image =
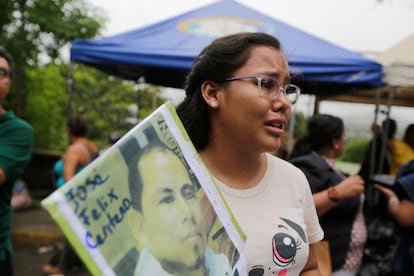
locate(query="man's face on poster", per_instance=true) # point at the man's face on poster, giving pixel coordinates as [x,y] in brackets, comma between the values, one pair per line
[173,222]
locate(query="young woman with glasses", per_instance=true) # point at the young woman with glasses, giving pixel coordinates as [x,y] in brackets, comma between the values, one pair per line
[238,102]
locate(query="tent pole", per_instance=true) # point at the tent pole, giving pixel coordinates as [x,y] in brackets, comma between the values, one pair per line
[316,105]
[372,163]
[70,88]
[385,131]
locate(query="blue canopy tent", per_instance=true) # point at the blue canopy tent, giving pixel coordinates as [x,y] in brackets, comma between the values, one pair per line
[163,53]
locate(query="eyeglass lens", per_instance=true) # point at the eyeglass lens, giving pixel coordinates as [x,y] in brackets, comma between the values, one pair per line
[273,89]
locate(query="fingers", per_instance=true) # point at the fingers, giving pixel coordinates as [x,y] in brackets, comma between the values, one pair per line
[386,191]
[381,188]
[351,186]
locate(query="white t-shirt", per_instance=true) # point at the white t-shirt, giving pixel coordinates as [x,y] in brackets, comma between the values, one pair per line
[279,219]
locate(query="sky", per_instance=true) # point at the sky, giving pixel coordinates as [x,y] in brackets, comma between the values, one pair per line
[365,26]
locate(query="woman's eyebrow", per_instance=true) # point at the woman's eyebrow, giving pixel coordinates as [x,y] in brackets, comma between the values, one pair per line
[276,75]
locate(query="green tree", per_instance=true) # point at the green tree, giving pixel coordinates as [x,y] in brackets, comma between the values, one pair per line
[355,150]
[103,101]
[29,29]
[46,105]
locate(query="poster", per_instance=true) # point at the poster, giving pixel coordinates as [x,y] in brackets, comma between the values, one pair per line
[149,206]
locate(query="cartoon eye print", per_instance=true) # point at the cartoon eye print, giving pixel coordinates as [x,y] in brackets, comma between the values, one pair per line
[284,249]
[286,244]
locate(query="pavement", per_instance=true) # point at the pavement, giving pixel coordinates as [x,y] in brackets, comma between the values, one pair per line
[35,238]
[34,227]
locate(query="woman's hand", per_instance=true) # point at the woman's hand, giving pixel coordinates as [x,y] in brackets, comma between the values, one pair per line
[350,187]
[403,211]
[386,191]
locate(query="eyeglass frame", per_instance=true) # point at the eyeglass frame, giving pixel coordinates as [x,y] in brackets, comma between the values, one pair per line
[259,78]
[4,73]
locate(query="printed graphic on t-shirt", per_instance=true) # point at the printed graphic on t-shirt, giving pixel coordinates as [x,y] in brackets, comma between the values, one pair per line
[286,244]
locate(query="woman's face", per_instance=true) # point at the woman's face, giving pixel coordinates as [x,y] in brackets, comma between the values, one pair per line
[248,120]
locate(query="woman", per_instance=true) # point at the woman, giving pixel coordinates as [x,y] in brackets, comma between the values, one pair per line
[77,156]
[338,198]
[401,206]
[235,110]
[381,151]
[80,152]
[402,151]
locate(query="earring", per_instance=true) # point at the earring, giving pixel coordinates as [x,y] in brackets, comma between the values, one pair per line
[214,104]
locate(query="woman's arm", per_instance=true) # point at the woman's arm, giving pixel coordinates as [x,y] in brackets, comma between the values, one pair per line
[402,211]
[70,162]
[311,266]
[327,199]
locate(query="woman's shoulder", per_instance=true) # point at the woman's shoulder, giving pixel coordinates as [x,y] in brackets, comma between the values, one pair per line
[83,152]
[310,159]
[287,172]
[92,147]
[72,150]
[280,163]
[85,146]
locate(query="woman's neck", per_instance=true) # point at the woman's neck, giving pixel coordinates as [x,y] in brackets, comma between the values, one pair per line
[328,153]
[235,168]
[77,139]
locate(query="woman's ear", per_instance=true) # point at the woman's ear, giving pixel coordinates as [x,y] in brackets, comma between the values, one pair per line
[335,143]
[209,91]
[136,222]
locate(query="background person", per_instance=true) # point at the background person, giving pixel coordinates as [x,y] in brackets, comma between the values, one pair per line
[401,207]
[338,198]
[377,162]
[238,101]
[16,138]
[402,151]
[167,218]
[80,152]
[391,126]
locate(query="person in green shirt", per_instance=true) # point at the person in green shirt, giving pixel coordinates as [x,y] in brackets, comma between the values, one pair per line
[16,137]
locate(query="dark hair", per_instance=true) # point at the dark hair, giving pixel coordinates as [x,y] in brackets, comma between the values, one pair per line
[392,127]
[132,152]
[216,62]
[409,135]
[77,126]
[321,130]
[7,56]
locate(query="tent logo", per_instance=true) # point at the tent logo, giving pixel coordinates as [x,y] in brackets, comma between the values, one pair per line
[216,26]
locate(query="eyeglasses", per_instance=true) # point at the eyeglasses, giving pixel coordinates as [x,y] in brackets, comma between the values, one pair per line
[4,73]
[270,87]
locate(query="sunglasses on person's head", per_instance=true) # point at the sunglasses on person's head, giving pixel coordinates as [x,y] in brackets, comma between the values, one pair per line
[4,73]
